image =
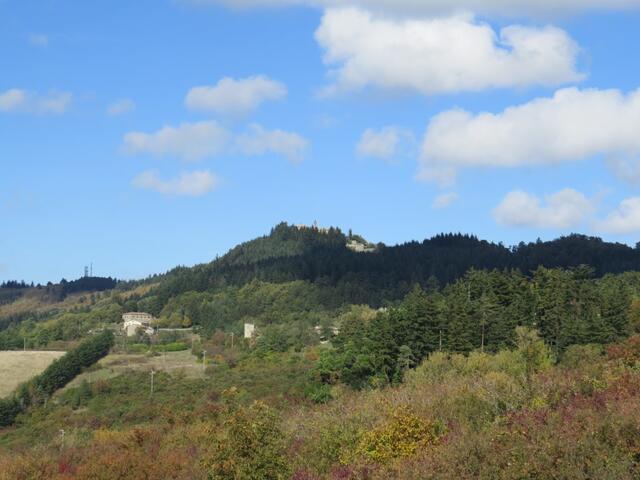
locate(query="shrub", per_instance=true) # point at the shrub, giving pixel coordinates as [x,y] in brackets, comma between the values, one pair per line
[9,410]
[627,352]
[320,394]
[401,436]
[252,447]
[579,356]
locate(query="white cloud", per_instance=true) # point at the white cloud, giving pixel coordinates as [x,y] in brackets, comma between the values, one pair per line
[259,141]
[570,126]
[191,184]
[385,143]
[196,141]
[16,100]
[624,219]
[438,7]
[445,200]
[561,210]
[38,40]
[12,100]
[235,97]
[120,107]
[441,55]
[189,142]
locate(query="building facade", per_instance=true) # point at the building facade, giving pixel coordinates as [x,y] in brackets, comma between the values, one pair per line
[249,330]
[132,321]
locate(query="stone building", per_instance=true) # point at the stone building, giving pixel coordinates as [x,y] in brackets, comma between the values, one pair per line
[137,320]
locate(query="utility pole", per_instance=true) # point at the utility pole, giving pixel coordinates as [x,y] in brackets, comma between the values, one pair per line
[24,345]
[204,361]
[232,340]
[152,374]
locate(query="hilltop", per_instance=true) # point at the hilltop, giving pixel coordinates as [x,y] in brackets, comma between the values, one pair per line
[386,273]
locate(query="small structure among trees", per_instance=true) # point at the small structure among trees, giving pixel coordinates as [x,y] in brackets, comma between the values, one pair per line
[249,330]
[134,321]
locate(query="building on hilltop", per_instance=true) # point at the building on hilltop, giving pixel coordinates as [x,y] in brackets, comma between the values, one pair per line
[360,247]
[133,321]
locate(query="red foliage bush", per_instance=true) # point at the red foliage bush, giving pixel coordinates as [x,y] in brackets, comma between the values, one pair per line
[627,351]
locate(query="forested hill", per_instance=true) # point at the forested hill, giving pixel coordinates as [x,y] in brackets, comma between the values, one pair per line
[321,256]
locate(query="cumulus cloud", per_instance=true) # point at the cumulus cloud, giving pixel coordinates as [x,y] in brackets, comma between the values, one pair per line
[441,55]
[445,200]
[120,107]
[235,97]
[190,184]
[385,143]
[561,210]
[16,100]
[624,219]
[570,126]
[189,141]
[438,7]
[38,40]
[196,141]
[258,141]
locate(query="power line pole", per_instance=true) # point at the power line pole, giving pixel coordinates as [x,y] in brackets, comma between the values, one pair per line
[204,361]
[152,374]
[232,340]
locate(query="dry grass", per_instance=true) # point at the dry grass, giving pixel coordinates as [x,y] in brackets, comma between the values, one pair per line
[35,300]
[18,367]
[117,364]
[141,290]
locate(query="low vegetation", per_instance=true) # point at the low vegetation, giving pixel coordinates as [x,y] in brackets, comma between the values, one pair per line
[512,414]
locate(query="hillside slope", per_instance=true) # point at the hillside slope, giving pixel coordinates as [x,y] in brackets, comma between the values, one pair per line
[321,256]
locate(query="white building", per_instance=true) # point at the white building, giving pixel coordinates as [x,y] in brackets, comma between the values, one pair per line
[249,330]
[360,247]
[136,320]
[320,332]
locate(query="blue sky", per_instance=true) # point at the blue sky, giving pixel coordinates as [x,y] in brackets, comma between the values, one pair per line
[144,135]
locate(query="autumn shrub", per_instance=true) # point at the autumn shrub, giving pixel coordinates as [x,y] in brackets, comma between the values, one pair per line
[402,435]
[580,356]
[251,447]
[627,352]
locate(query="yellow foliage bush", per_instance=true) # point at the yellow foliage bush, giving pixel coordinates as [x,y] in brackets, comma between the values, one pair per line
[401,436]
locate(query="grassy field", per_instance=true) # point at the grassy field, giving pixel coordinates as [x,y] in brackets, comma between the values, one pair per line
[17,367]
[116,364]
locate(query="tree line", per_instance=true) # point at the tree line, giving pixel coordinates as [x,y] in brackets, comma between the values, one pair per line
[388,274]
[482,311]
[55,376]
